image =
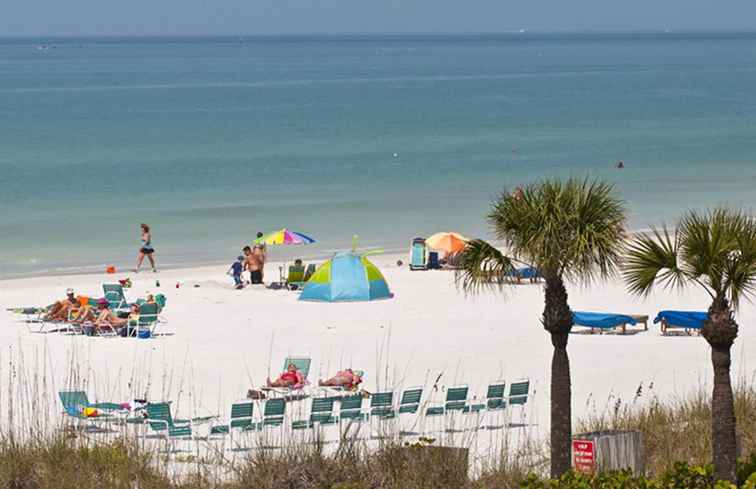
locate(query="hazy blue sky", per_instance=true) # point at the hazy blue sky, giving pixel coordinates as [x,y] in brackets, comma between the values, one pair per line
[77,17]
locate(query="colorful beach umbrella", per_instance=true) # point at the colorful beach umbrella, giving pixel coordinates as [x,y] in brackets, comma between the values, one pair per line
[284,237]
[346,277]
[448,242]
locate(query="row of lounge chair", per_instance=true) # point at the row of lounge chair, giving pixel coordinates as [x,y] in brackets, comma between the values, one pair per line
[360,408]
[687,321]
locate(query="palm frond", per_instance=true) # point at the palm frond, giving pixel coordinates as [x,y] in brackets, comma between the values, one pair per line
[574,228]
[482,266]
[653,259]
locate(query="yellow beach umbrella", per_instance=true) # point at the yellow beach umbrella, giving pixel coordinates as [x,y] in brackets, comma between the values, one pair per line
[448,242]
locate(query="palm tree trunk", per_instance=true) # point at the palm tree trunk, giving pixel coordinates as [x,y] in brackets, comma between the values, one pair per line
[557,320]
[720,331]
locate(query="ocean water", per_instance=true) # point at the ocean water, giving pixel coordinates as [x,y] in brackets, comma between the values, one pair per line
[212,139]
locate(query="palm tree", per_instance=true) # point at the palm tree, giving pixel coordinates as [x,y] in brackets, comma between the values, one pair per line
[715,250]
[571,231]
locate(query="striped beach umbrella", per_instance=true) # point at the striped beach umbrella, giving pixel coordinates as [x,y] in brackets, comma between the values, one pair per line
[284,237]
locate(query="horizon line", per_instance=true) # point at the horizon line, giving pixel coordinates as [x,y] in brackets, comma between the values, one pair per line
[510,32]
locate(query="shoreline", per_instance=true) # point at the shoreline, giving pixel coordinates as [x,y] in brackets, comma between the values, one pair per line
[281,257]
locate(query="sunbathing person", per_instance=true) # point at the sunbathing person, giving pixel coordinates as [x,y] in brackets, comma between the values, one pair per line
[82,314]
[106,319]
[59,311]
[347,379]
[292,378]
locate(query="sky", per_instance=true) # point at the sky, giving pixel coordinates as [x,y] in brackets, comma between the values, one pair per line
[195,17]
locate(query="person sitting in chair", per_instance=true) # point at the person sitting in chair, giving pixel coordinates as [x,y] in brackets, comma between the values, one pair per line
[106,319]
[347,379]
[292,378]
[59,311]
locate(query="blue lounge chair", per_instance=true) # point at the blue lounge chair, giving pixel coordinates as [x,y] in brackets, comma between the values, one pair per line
[418,254]
[686,320]
[602,321]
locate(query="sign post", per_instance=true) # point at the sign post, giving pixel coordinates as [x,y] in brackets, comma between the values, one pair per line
[584,456]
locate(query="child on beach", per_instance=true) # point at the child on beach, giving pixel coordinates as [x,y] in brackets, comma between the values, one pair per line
[236,271]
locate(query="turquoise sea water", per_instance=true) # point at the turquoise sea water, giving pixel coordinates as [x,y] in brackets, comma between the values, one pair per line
[211,139]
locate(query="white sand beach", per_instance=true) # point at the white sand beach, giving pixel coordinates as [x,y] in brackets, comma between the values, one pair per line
[223,341]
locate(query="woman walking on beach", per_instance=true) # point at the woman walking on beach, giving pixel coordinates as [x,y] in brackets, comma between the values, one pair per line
[146,249]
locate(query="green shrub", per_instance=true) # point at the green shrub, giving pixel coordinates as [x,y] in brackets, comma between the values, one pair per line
[681,476]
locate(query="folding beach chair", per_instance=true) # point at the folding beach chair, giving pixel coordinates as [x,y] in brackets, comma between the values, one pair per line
[274,417]
[161,421]
[495,404]
[148,319]
[518,396]
[116,297]
[409,404]
[418,254]
[309,272]
[456,400]
[241,419]
[76,404]
[296,277]
[321,413]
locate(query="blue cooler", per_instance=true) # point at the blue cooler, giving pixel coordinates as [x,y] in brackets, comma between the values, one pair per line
[144,334]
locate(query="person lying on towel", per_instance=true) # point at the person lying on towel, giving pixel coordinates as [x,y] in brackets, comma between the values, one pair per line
[292,378]
[347,379]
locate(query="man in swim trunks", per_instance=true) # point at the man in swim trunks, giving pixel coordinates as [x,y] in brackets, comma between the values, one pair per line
[254,264]
[292,378]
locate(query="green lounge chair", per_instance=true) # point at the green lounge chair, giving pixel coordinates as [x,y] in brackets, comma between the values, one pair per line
[302,364]
[494,399]
[74,403]
[410,401]
[456,400]
[296,278]
[518,392]
[241,419]
[382,405]
[351,408]
[148,318]
[160,420]
[518,396]
[409,404]
[116,297]
[321,413]
[273,414]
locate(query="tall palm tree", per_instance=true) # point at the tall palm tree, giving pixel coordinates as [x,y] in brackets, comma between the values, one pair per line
[715,250]
[571,231]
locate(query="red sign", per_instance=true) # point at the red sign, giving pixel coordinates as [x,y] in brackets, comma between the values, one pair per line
[583,456]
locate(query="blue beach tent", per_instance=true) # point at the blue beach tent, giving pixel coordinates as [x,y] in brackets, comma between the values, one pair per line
[346,277]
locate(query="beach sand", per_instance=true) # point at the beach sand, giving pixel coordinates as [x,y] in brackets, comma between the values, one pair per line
[223,341]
